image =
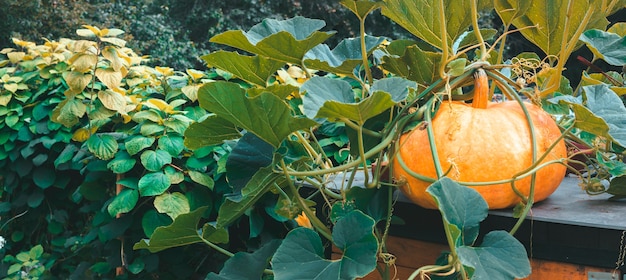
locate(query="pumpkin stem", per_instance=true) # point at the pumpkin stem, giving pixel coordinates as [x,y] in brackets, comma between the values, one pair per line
[481,89]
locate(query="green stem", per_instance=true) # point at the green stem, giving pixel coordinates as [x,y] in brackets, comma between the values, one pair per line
[444,38]
[368,71]
[431,141]
[317,224]
[358,127]
[481,41]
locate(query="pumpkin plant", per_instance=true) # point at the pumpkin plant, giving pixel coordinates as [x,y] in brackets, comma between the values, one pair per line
[278,123]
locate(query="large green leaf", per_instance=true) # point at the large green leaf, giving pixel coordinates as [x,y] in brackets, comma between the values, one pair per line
[396,86]
[301,255]
[183,231]
[172,204]
[556,23]
[103,146]
[44,177]
[265,115]
[285,40]
[253,69]
[460,206]
[211,131]
[123,202]
[359,112]
[500,256]
[255,263]
[201,178]
[343,58]
[249,155]
[321,89]
[261,182]
[151,220]
[414,64]
[361,8]
[422,18]
[608,46]
[604,113]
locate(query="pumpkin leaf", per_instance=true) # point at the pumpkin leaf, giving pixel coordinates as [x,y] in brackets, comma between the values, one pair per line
[343,58]
[301,254]
[249,155]
[265,115]
[255,263]
[396,86]
[555,22]
[284,40]
[359,112]
[211,131]
[500,256]
[103,146]
[123,202]
[172,204]
[253,69]
[460,206]
[604,113]
[608,46]
[183,231]
[414,64]
[361,8]
[257,186]
[422,18]
[321,89]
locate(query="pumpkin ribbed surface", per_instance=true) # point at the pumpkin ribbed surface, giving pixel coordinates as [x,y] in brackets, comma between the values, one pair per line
[483,145]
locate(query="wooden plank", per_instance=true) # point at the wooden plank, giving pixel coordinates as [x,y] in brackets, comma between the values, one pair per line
[412,254]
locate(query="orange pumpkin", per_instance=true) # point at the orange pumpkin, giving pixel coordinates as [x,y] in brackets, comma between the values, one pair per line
[483,142]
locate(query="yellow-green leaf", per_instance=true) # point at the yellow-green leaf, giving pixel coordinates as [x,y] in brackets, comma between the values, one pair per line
[83,62]
[111,32]
[108,76]
[115,41]
[5,98]
[112,55]
[191,91]
[11,87]
[112,100]
[15,57]
[77,81]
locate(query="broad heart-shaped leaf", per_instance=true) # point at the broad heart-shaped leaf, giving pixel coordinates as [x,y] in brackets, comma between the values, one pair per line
[123,202]
[361,8]
[154,160]
[422,18]
[265,115]
[122,163]
[211,131]
[604,115]
[551,18]
[172,204]
[103,146]
[153,184]
[396,86]
[183,231]
[460,206]
[360,112]
[253,69]
[343,58]
[414,64]
[261,182]
[171,143]
[255,263]
[284,40]
[201,178]
[500,256]
[249,155]
[608,46]
[301,255]
[321,89]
